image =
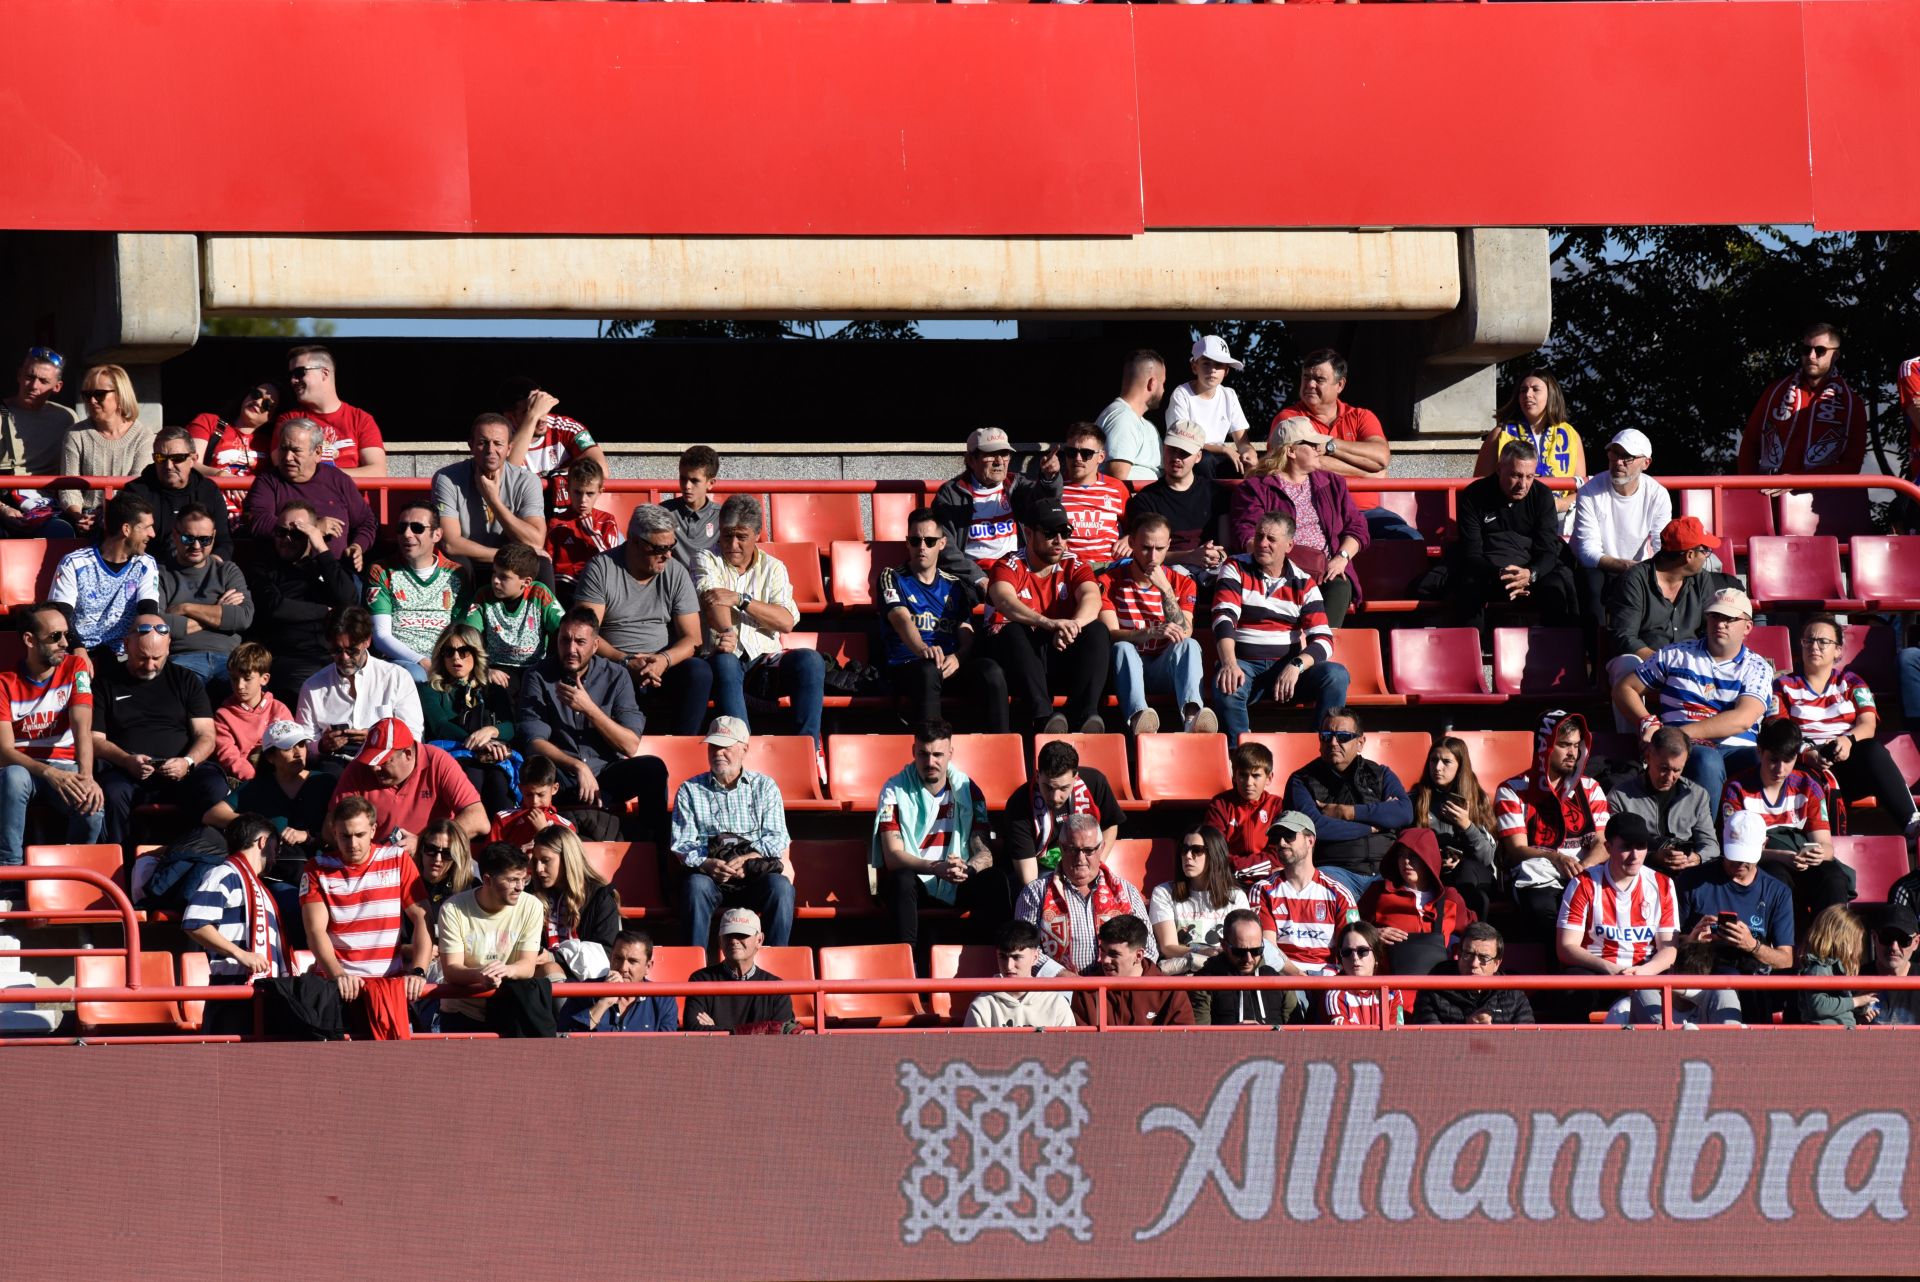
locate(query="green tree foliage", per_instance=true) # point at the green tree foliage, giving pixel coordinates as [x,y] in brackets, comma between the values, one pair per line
[760,329]
[264,327]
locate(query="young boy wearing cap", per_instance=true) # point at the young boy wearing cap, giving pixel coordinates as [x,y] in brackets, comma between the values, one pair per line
[1214,407]
[1618,516]
[981,508]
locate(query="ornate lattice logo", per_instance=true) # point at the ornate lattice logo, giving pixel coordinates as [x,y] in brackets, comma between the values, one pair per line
[994,1151]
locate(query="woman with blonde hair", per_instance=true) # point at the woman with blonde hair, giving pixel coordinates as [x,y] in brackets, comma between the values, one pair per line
[445,861]
[470,716]
[1833,946]
[112,442]
[1450,800]
[1328,530]
[580,903]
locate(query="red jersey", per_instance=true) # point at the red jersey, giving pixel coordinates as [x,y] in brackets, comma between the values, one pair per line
[1621,925]
[437,789]
[1350,423]
[1244,825]
[348,430]
[520,827]
[1138,605]
[1094,510]
[1795,429]
[365,905]
[572,541]
[228,450]
[1801,802]
[1303,921]
[1050,591]
[1355,1007]
[42,728]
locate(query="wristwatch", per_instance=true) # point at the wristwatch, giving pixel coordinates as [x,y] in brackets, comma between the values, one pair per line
[1331,442]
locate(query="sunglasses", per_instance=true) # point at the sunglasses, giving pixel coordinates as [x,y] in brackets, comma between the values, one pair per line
[1061,532]
[144,629]
[261,399]
[657,550]
[1355,954]
[173,458]
[1816,349]
[1896,941]
[1255,951]
[289,532]
[437,852]
[921,541]
[98,393]
[461,652]
[1479,959]
[301,371]
[46,356]
[194,540]
[1076,453]
[414,527]
[1339,736]
[1196,848]
[58,634]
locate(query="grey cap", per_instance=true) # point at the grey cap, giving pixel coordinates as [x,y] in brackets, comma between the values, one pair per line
[1294,821]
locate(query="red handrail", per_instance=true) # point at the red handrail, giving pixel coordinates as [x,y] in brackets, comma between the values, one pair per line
[122,908]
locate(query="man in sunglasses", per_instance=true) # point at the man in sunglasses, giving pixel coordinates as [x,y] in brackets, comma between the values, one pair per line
[1356,804]
[979,508]
[153,735]
[1243,953]
[1811,421]
[931,638]
[1093,500]
[1047,633]
[339,509]
[1894,943]
[350,440]
[33,429]
[46,741]
[172,485]
[204,597]
[643,603]
[413,599]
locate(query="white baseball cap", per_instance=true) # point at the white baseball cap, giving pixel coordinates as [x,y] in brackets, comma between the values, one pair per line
[1743,837]
[989,440]
[727,732]
[739,921]
[285,734]
[1214,348]
[1731,602]
[1186,436]
[1634,442]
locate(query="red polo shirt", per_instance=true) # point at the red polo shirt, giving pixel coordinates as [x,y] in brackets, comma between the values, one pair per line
[1350,423]
[437,789]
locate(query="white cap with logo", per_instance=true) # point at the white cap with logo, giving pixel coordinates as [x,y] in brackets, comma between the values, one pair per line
[1186,436]
[739,921]
[1634,442]
[1731,602]
[1743,837]
[989,440]
[1214,348]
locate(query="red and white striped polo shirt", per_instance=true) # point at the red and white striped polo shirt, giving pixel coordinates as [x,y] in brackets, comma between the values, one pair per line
[42,728]
[1801,802]
[1621,925]
[364,906]
[1829,714]
[1138,605]
[1303,919]
[1094,510]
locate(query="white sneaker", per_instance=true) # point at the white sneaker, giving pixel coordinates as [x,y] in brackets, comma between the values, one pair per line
[1145,721]
[1201,721]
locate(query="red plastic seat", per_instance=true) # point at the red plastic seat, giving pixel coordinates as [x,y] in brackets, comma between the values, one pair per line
[1870,651]
[1877,863]
[997,764]
[1546,663]
[871,961]
[891,508]
[195,972]
[1290,752]
[803,571]
[958,961]
[26,567]
[684,755]
[619,504]
[1388,571]
[675,963]
[1428,511]
[1743,514]
[1143,861]
[1106,753]
[1440,665]
[1183,769]
[789,759]
[1358,651]
[858,765]
[1498,755]
[857,568]
[791,961]
[841,647]
[815,518]
[1886,571]
[1906,755]
[831,879]
[56,898]
[633,868]
[1797,570]
[1774,643]
[1844,514]
[109,970]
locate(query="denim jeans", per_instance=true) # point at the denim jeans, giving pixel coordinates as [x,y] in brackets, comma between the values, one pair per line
[1324,685]
[1910,682]
[18,788]
[1709,764]
[1357,883]
[803,678]
[1385,523]
[1174,670]
[770,896]
[210,666]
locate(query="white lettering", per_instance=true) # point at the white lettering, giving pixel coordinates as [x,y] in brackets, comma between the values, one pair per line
[1785,1135]
[1365,1127]
[1881,1191]
[1488,1191]
[1693,1129]
[1597,1138]
[1250,1200]
[1310,1143]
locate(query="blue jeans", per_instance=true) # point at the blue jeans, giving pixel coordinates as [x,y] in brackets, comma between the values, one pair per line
[1324,685]
[1385,523]
[803,679]
[1357,883]
[411,667]
[18,788]
[1910,682]
[1174,670]
[209,665]
[771,897]
[1709,764]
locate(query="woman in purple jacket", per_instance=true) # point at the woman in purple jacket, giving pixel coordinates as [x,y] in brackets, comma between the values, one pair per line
[1328,531]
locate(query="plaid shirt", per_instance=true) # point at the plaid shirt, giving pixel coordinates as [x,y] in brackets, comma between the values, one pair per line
[753,807]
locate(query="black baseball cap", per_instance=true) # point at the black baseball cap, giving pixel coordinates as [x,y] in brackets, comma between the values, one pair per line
[1047,514]
[1630,829]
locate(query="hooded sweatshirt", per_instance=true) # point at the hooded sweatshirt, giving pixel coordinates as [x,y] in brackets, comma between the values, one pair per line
[1532,808]
[1134,1005]
[1391,902]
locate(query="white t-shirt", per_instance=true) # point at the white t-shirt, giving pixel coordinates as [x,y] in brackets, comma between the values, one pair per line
[1220,414]
[1130,439]
[1195,918]
[1608,523]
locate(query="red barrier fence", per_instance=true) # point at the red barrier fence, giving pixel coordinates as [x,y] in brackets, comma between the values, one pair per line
[1247,1154]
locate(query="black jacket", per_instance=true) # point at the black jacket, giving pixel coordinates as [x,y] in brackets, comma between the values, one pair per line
[1638,615]
[167,505]
[600,916]
[1494,530]
[1238,1006]
[729,1012]
[290,604]
[1458,1006]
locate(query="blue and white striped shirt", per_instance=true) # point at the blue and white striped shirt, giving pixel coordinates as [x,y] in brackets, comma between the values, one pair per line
[220,901]
[1693,685]
[753,808]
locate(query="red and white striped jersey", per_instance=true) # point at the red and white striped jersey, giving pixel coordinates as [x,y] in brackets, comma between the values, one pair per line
[42,728]
[1801,802]
[1829,714]
[1138,605]
[1622,926]
[1094,510]
[1270,618]
[1303,920]
[364,906]
[557,442]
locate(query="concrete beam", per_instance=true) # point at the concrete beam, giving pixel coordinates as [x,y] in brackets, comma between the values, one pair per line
[1506,298]
[1397,275]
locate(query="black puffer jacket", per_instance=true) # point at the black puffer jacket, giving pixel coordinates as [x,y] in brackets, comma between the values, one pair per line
[1459,1006]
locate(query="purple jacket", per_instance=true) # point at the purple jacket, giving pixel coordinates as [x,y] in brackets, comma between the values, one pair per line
[332,493]
[1256,496]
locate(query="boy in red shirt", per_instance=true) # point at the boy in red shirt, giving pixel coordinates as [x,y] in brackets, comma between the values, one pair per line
[578,528]
[1244,812]
[539,788]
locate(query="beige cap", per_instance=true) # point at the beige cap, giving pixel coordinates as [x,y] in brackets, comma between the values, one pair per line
[726,732]
[1731,602]
[1186,436]
[1290,432]
[989,440]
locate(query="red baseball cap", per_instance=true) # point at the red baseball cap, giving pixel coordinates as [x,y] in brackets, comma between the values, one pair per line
[388,736]
[1684,533]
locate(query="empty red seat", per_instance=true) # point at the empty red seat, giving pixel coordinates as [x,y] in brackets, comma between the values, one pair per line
[857,568]
[1877,863]
[791,762]
[871,961]
[803,571]
[195,972]
[815,518]
[1290,752]
[26,567]
[1797,570]
[59,899]
[1388,570]
[791,961]
[633,869]
[1440,665]
[1428,511]
[675,963]
[1870,651]
[1774,643]
[1743,514]
[1541,662]
[1497,755]
[958,961]
[684,755]
[1358,651]
[1844,514]
[831,879]
[1906,755]
[109,970]
[1106,753]
[858,765]
[997,764]
[1144,861]
[1182,768]
[1886,571]
[891,508]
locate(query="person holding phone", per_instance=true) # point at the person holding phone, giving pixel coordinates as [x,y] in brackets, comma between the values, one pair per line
[1746,917]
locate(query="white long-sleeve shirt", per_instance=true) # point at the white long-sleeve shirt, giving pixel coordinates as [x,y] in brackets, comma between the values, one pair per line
[325,701]
[1608,523]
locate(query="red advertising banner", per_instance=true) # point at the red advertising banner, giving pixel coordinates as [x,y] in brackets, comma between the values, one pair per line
[952,1155]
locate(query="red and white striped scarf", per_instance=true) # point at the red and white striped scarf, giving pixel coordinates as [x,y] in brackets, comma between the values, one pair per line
[1081,803]
[259,933]
[1056,923]
[1829,416]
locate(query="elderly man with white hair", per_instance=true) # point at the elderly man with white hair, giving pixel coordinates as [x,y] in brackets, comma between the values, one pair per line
[747,600]
[649,616]
[340,510]
[1072,902]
